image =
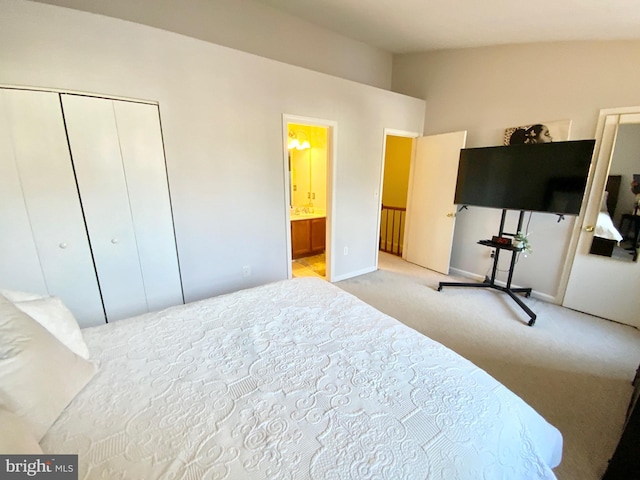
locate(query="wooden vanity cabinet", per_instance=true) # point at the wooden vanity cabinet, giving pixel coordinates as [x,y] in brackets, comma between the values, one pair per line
[308,237]
[318,234]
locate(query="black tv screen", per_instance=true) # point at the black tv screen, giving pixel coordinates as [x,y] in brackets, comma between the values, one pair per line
[544,177]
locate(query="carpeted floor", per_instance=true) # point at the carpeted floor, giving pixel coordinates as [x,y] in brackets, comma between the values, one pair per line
[573,368]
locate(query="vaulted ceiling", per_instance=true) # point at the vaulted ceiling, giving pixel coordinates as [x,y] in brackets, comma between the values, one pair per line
[402,26]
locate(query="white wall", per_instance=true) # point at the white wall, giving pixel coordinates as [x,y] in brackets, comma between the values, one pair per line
[221,113]
[254,28]
[485,90]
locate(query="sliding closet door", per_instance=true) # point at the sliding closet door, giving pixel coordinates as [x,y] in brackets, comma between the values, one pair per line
[41,185]
[118,157]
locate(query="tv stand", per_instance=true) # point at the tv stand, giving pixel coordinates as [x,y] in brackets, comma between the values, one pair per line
[491,282]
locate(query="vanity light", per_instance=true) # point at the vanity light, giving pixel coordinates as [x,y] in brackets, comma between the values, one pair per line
[295,143]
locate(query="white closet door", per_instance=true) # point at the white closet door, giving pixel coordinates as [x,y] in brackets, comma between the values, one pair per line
[144,165]
[50,196]
[19,264]
[95,149]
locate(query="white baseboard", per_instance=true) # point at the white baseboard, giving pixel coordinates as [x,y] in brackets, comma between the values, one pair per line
[480,278]
[353,274]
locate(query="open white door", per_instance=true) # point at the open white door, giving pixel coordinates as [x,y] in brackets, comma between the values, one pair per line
[430,207]
[599,285]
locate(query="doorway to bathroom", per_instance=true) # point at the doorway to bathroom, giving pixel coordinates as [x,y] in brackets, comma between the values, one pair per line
[309,150]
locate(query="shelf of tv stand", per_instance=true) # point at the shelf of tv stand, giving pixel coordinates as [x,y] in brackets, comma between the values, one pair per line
[489,243]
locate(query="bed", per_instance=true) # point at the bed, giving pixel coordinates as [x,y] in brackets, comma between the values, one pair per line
[296,379]
[606,229]
[605,235]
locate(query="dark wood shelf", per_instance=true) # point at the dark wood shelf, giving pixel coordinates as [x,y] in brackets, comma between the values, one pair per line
[489,243]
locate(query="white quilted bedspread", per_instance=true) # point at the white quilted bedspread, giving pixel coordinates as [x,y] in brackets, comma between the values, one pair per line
[293,380]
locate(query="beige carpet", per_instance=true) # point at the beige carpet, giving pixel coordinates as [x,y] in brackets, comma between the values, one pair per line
[573,368]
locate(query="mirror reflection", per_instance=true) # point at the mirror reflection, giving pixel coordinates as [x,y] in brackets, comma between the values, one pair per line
[307,149]
[618,225]
[300,168]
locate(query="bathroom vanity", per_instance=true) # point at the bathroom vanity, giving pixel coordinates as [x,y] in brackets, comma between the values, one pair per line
[308,232]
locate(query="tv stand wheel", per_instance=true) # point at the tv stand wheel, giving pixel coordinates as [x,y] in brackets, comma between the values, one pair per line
[527,294]
[439,288]
[532,322]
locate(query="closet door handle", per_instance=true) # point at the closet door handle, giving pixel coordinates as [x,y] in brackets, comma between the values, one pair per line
[589,228]
[63,245]
[114,240]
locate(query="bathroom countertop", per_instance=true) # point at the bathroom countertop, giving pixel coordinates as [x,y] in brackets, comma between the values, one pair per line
[307,216]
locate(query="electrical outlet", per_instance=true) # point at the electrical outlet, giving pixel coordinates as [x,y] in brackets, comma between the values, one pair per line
[246,271]
[346,250]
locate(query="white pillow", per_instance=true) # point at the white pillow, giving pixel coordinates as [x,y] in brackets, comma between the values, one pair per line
[17,296]
[39,376]
[15,436]
[52,314]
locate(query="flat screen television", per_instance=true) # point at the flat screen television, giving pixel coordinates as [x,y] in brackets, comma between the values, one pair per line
[544,177]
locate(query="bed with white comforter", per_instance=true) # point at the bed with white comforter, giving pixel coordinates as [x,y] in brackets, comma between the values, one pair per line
[292,380]
[606,229]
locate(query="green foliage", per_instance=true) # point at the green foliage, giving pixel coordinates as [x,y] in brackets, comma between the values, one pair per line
[521,241]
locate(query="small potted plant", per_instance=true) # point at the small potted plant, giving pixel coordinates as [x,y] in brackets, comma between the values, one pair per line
[521,241]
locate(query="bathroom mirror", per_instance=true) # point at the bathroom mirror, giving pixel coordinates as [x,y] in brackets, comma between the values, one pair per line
[300,168]
[307,150]
[616,233]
